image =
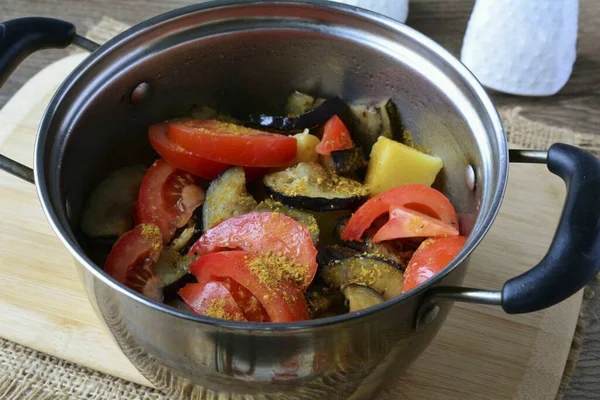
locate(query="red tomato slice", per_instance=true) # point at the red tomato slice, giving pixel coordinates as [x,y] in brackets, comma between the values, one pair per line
[335,137]
[211,299]
[405,223]
[131,257]
[249,304]
[167,198]
[233,144]
[416,197]
[430,258]
[283,301]
[179,157]
[262,233]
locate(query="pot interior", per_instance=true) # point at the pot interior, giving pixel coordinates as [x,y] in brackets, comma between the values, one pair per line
[248,57]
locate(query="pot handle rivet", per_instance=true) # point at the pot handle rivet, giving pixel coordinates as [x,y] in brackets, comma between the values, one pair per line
[428,314]
[140,93]
[471,178]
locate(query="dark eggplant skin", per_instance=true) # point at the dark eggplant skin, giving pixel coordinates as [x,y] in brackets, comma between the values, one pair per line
[345,162]
[316,203]
[396,124]
[310,186]
[311,119]
[332,252]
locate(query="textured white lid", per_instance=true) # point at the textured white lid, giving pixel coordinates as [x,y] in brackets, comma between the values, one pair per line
[524,47]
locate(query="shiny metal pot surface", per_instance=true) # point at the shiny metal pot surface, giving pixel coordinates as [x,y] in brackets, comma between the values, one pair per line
[248,56]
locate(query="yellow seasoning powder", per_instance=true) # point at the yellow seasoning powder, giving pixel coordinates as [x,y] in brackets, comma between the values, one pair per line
[217,309]
[272,269]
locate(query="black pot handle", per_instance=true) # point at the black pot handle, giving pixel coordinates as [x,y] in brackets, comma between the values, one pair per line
[18,39]
[573,258]
[21,37]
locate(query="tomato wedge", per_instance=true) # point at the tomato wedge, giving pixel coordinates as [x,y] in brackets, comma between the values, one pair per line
[262,233]
[421,198]
[405,223]
[249,304]
[335,137]
[211,299]
[179,157]
[232,144]
[131,257]
[168,196]
[283,301]
[430,258]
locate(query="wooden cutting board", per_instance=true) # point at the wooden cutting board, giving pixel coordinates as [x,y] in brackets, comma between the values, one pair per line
[480,353]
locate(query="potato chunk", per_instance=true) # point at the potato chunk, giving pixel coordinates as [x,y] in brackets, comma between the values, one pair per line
[394,164]
[306,144]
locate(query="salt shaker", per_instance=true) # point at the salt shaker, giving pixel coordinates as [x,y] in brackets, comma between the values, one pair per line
[522,47]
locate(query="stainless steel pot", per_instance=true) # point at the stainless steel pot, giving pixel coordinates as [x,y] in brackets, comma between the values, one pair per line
[248,56]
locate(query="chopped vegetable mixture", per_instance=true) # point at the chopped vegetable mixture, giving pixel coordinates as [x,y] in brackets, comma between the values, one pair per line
[323,210]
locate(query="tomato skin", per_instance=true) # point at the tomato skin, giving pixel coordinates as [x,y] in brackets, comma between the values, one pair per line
[261,233]
[249,304]
[179,157]
[167,198]
[416,197]
[131,257]
[405,223]
[212,299]
[284,301]
[335,137]
[232,144]
[430,258]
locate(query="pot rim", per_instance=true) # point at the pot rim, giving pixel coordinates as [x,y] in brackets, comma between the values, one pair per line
[480,228]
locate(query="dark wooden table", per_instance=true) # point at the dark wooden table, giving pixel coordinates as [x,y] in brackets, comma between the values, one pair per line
[576,106]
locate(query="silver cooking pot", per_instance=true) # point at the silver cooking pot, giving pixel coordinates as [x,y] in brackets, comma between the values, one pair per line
[248,56]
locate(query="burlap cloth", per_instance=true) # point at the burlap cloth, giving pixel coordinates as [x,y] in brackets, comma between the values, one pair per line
[26,374]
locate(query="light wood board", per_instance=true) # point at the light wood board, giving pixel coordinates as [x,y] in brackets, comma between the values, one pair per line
[480,353]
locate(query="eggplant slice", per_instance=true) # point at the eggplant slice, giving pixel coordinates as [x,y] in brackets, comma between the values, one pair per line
[360,297]
[309,186]
[226,197]
[311,119]
[323,301]
[383,250]
[109,209]
[171,266]
[299,103]
[333,252]
[371,121]
[307,220]
[345,162]
[183,236]
[380,275]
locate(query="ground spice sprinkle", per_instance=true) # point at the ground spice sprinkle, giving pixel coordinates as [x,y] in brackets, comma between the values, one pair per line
[271,269]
